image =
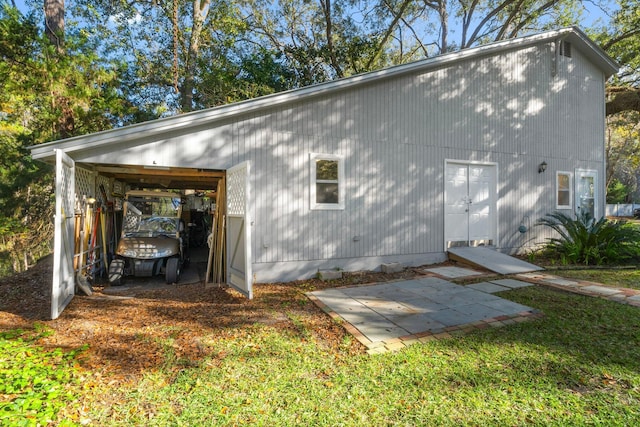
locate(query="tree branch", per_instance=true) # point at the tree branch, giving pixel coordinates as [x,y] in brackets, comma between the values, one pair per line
[486,19]
[326,9]
[509,20]
[620,38]
[530,17]
[385,38]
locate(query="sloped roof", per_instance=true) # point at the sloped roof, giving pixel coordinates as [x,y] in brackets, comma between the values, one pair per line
[197,118]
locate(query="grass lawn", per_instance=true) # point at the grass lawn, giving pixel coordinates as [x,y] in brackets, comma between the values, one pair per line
[578,365]
[621,278]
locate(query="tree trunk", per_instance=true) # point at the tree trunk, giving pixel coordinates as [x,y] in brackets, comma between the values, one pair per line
[54,23]
[444,25]
[200,11]
[326,10]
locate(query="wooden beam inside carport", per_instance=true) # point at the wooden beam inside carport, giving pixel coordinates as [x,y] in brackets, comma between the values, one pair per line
[164,177]
[156,171]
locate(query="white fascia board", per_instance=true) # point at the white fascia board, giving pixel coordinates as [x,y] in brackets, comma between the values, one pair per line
[593,51]
[153,128]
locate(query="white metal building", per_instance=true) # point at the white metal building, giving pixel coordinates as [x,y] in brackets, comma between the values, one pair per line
[395,165]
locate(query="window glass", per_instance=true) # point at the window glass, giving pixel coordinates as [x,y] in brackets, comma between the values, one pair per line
[326,182]
[327,170]
[327,193]
[563,195]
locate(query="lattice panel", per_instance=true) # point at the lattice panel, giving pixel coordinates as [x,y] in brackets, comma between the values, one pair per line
[85,183]
[237,187]
[66,190]
[130,222]
[106,183]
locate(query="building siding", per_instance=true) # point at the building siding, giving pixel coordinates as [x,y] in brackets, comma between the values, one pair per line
[394,135]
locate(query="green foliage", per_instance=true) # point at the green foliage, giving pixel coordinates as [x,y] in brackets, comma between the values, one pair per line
[223,81]
[623,150]
[617,192]
[621,40]
[584,240]
[44,95]
[35,384]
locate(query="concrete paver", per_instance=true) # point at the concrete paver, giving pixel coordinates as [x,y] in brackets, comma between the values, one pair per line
[512,283]
[488,287]
[506,306]
[390,316]
[619,295]
[418,323]
[452,317]
[560,281]
[406,311]
[601,290]
[453,272]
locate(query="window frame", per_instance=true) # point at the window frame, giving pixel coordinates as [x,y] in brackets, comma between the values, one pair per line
[569,189]
[313,182]
[581,174]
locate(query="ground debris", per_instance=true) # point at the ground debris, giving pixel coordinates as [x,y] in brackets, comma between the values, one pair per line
[130,334]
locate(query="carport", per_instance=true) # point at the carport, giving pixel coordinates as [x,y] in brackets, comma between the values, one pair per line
[103,170]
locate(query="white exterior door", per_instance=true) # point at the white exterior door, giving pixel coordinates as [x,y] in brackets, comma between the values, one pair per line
[63,284]
[456,206]
[586,191]
[239,274]
[470,204]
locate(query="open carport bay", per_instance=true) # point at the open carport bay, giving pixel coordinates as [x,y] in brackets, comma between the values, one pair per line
[97,225]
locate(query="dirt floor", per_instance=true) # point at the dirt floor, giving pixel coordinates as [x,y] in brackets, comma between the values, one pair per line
[128,333]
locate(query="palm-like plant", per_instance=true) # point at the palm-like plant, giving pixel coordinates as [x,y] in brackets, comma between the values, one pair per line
[584,240]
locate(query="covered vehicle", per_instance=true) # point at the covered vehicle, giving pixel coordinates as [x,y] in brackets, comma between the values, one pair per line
[153,240]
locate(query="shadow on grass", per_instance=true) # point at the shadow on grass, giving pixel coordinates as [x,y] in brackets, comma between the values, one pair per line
[581,346]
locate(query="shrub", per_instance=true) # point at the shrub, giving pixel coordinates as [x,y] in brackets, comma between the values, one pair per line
[583,240]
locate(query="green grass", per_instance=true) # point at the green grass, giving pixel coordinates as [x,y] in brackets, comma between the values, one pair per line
[578,365]
[621,278]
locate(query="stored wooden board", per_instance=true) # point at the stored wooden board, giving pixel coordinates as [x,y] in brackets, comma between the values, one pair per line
[491,260]
[215,264]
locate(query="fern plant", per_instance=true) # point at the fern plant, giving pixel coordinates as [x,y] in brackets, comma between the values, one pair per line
[584,240]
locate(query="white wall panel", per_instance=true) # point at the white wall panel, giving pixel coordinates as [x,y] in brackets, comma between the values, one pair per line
[394,135]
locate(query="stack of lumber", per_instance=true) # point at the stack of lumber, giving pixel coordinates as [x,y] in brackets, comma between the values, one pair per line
[215,264]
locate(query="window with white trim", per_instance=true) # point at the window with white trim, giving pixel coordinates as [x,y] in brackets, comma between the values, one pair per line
[564,189]
[327,181]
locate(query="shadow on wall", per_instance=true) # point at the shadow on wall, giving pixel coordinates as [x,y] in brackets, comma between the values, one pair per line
[393,136]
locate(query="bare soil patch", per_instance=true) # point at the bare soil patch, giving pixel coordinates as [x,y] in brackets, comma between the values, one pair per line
[130,334]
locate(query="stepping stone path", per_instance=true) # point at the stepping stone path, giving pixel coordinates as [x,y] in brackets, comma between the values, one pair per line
[390,316]
[621,295]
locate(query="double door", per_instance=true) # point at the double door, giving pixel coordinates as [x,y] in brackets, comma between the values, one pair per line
[470,204]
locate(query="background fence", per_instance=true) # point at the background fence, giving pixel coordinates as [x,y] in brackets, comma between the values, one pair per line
[622,209]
